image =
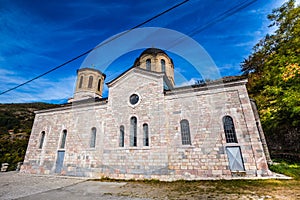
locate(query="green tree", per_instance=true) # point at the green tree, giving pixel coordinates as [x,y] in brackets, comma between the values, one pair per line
[273,70]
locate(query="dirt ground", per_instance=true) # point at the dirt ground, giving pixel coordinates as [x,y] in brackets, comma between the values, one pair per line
[229,189]
[14,185]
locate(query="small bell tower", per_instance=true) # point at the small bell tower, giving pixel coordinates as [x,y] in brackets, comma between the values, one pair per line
[89,84]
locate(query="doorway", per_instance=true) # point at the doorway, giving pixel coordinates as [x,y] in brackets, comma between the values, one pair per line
[235,158]
[59,161]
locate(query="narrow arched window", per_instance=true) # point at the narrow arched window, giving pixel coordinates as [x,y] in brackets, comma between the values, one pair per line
[185,132]
[148,64]
[63,139]
[93,137]
[80,82]
[122,134]
[229,130]
[133,131]
[99,85]
[146,135]
[163,65]
[42,139]
[90,85]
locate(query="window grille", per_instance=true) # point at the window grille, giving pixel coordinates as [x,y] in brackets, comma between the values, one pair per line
[229,130]
[185,132]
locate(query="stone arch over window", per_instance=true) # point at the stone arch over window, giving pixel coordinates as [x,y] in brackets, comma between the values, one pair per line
[145,134]
[63,139]
[148,64]
[90,85]
[229,130]
[133,132]
[80,82]
[163,65]
[99,85]
[185,132]
[93,137]
[42,139]
[122,136]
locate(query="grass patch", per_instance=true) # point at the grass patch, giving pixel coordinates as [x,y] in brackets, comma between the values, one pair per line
[215,189]
[286,168]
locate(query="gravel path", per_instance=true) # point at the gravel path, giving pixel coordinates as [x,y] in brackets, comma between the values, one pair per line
[15,185]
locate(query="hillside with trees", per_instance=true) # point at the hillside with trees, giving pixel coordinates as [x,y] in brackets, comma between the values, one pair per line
[273,70]
[15,126]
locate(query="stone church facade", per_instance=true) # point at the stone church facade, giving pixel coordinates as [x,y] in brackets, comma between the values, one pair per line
[149,129]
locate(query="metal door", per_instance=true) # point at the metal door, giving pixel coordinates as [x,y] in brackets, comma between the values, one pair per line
[235,159]
[59,161]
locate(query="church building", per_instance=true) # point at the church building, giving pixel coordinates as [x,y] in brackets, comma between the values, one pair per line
[148,128]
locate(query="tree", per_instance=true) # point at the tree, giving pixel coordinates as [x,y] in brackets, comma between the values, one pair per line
[274,70]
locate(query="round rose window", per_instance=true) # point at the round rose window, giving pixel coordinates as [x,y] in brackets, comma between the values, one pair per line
[134,99]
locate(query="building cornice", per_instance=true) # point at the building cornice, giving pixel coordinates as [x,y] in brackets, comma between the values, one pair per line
[206,86]
[75,105]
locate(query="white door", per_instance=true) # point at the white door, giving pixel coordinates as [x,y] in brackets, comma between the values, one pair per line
[235,159]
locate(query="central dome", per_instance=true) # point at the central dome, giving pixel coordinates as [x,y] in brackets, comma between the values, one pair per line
[156,60]
[152,51]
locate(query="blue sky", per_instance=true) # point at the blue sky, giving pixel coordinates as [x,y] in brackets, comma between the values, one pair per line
[37,35]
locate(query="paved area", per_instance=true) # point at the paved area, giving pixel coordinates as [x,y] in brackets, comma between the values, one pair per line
[15,185]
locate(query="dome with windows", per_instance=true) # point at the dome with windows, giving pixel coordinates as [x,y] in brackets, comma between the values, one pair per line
[89,84]
[156,60]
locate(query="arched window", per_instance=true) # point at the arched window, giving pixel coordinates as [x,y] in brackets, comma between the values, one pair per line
[63,139]
[122,134]
[146,135]
[90,85]
[163,65]
[93,137]
[42,139]
[133,132]
[229,130]
[99,85]
[185,132]
[80,82]
[148,64]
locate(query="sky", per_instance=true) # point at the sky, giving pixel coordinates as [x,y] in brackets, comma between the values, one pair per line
[38,35]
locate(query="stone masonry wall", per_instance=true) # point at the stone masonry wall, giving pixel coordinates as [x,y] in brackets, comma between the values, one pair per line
[204,110]
[165,158]
[80,159]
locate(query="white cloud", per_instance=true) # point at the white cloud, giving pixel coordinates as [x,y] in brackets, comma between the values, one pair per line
[41,90]
[192,81]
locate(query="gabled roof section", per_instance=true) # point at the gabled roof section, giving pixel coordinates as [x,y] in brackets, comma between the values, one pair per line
[76,104]
[135,69]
